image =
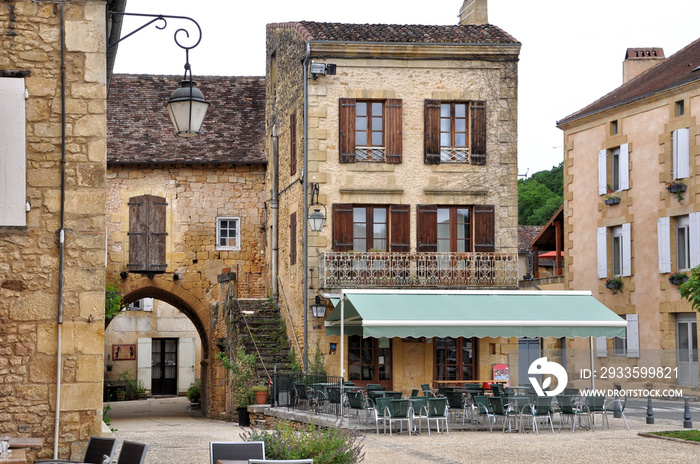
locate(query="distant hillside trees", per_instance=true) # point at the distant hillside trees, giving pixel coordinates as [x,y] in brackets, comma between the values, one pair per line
[540,196]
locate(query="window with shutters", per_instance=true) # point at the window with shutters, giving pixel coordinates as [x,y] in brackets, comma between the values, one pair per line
[293,143]
[456,229]
[683,243]
[680,139]
[455,132]
[371,227]
[228,233]
[370,131]
[613,169]
[677,239]
[292,239]
[13,157]
[618,242]
[147,234]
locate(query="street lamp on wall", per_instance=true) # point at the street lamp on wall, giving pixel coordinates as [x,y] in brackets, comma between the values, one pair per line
[318,309]
[317,218]
[186,106]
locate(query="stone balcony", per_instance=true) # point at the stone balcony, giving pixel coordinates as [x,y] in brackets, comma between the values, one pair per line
[418,270]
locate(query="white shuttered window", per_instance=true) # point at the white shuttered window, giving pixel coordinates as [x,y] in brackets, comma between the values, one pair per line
[663,226]
[13,157]
[681,153]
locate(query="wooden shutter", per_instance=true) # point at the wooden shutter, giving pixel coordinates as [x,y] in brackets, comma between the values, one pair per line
[293,143]
[292,239]
[432,132]
[601,347]
[694,225]
[478,117]
[663,227]
[399,236]
[632,335]
[602,172]
[427,228]
[342,227]
[627,249]
[157,207]
[394,131]
[147,233]
[346,117]
[13,156]
[624,166]
[484,229]
[681,153]
[602,241]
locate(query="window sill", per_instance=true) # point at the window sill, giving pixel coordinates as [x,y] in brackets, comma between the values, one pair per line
[366,166]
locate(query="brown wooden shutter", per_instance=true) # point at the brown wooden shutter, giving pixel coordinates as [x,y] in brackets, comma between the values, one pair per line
[342,227]
[432,131]
[293,143]
[400,240]
[292,239]
[347,130]
[478,148]
[147,234]
[427,228]
[394,132]
[484,228]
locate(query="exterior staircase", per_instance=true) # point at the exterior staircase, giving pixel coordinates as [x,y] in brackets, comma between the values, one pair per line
[270,335]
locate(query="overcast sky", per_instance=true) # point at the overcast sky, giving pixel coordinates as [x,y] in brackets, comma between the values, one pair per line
[572,51]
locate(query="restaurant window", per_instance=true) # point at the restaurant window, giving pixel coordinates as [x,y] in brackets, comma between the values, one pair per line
[370,131]
[370,227]
[455,358]
[369,360]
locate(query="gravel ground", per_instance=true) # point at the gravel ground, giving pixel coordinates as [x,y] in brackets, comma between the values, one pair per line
[177,435]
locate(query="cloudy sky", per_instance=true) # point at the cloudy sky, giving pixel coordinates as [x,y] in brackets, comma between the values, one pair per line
[571,55]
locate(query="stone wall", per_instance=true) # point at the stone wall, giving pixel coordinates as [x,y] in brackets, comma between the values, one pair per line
[29,256]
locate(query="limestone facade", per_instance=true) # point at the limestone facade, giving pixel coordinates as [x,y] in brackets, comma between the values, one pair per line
[30,52]
[412,73]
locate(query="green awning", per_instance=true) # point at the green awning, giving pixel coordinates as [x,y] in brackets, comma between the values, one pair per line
[474,313]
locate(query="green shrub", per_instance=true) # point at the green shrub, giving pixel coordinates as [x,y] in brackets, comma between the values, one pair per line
[194,392]
[324,445]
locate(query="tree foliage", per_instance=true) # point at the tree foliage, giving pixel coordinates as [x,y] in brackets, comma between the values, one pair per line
[690,289]
[540,196]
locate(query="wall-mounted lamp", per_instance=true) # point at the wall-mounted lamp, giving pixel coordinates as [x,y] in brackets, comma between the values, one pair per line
[318,309]
[321,69]
[317,218]
[187,106]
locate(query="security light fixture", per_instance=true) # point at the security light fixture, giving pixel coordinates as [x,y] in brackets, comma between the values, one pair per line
[321,69]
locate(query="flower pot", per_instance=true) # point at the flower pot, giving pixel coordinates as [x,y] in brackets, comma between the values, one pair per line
[612,201]
[675,188]
[677,280]
[243,417]
[261,397]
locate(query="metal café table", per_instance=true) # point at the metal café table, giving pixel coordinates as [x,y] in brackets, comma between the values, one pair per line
[15,456]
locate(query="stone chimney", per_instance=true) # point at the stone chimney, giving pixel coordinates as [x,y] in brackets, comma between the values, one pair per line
[638,60]
[474,12]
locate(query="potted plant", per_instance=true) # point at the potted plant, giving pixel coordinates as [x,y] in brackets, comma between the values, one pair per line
[109,364]
[240,379]
[611,200]
[677,278]
[121,394]
[261,393]
[677,188]
[614,284]
[194,392]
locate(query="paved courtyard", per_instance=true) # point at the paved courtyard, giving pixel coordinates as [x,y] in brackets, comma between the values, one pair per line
[177,435]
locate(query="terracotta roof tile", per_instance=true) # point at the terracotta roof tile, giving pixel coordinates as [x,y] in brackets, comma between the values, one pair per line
[676,70]
[139,128]
[341,32]
[526,234]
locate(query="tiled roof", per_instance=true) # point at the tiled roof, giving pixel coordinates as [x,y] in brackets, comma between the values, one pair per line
[139,128]
[678,69]
[526,234]
[341,32]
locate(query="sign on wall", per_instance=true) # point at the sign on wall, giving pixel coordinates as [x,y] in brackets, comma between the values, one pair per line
[123,352]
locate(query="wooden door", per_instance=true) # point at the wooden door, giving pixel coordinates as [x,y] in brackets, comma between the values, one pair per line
[164,366]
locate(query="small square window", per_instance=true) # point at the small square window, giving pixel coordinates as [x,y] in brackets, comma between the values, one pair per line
[228,233]
[613,127]
[680,108]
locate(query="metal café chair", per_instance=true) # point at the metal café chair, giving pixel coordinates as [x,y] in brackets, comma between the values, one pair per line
[236,450]
[97,449]
[132,453]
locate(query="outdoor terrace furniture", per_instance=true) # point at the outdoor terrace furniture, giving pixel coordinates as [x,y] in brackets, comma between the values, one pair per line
[498,406]
[616,405]
[236,450]
[457,403]
[436,410]
[381,412]
[417,405]
[596,405]
[415,392]
[358,403]
[399,410]
[132,453]
[97,449]
[302,394]
[539,409]
[573,410]
[397,395]
[280,461]
[483,409]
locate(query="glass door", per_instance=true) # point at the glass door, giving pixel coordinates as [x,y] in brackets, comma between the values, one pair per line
[687,349]
[164,366]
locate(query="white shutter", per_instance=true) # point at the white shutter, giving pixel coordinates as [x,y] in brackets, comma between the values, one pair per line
[627,249]
[602,172]
[632,336]
[143,361]
[601,347]
[694,223]
[681,153]
[602,252]
[13,156]
[147,304]
[624,166]
[663,226]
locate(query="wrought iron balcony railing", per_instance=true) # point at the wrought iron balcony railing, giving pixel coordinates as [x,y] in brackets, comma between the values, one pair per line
[417,270]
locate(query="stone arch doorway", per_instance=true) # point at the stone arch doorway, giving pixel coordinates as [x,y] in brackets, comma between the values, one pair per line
[136,288]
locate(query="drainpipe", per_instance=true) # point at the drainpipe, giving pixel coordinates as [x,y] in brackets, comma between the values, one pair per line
[61,236]
[306,205]
[274,207]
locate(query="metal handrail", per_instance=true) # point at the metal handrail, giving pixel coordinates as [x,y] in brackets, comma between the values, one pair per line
[289,315]
[255,345]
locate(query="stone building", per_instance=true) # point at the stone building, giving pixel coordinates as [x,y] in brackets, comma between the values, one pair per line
[52,221]
[625,156]
[200,202]
[389,130]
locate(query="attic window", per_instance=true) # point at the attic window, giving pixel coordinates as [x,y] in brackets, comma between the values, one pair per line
[680,108]
[613,127]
